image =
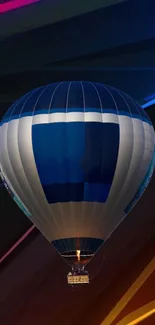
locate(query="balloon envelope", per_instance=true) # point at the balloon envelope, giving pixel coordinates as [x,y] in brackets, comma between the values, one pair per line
[76,157]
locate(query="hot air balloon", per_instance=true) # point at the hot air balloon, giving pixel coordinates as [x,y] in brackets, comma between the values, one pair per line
[76,157]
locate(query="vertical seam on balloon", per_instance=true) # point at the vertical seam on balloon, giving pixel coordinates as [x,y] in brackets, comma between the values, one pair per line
[43,214]
[70,203]
[114,103]
[105,87]
[59,204]
[30,95]
[12,170]
[83,95]
[44,88]
[94,203]
[67,97]
[99,98]
[28,183]
[16,104]
[137,107]
[10,110]
[139,112]
[18,187]
[37,100]
[84,106]
[51,100]
[121,95]
[49,109]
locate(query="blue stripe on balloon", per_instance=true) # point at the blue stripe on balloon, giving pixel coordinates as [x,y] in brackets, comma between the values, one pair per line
[76,161]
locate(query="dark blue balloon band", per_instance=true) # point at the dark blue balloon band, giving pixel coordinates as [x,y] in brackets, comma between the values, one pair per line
[87,245]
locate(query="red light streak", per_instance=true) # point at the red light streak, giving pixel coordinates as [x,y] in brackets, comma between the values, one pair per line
[17,244]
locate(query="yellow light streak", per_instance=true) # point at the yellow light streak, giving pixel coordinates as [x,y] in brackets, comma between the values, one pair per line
[130,294]
[138,315]
[141,318]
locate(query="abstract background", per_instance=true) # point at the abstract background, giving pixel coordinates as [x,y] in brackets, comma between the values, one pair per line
[114,45]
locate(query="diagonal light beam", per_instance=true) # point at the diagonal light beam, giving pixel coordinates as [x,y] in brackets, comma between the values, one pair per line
[17,244]
[130,293]
[139,314]
[15,4]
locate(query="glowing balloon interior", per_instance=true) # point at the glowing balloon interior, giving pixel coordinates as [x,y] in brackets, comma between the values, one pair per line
[76,157]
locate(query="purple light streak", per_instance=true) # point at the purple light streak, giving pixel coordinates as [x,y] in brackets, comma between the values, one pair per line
[15,4]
